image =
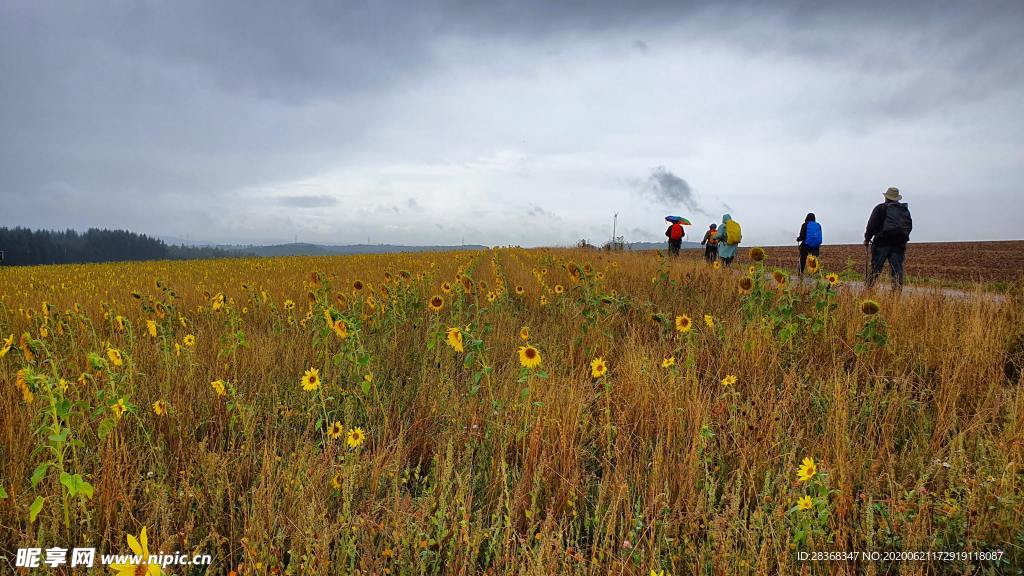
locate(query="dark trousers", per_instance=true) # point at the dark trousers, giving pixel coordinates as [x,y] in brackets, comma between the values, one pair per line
[894,256]
[804,251]
[710,252]
[727,261]
[673,247]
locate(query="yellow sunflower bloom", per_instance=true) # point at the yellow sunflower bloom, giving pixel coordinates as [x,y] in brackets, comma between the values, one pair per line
[454,338]
[529,357]
[355,438]
[311,380]
[807,470]
[683,323]
[140,548]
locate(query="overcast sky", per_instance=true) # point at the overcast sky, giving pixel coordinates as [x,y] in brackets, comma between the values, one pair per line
[524,122]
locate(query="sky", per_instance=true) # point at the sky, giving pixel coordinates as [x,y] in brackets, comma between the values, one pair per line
[524,122]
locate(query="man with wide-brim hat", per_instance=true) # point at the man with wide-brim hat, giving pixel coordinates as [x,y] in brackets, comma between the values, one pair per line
[888,232]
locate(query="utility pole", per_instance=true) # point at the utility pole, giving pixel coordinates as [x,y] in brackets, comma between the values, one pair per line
[615,221]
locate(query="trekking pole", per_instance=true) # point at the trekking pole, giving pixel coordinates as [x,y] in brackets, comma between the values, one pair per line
[867,264]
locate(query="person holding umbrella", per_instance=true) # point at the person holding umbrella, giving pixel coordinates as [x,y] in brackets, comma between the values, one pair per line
[675,233]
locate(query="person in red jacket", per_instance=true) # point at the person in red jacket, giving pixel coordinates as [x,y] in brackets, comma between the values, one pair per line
[675,235]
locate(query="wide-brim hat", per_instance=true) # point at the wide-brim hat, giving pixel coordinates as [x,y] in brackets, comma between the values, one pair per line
[893,194]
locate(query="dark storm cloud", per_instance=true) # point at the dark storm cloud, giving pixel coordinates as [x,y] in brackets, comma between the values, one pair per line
[133,114]
[669,190]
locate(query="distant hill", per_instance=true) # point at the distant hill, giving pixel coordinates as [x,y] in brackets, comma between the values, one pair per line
[659,245]
[305,249]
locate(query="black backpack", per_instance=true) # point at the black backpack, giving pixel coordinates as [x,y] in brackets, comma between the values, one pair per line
[898,223]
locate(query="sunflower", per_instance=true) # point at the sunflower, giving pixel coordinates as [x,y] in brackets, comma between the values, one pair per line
[757,254]
[807,470]
[336,481]
[529,356]
[335,430]
[524,333]
[559,289]
[340,328]
[436,303]
[44,332]
[356,437]
[751,270]
[289,304]
[218,387]
[870,307]
[189,340]
[120,323]
[832,278]
[780,277]
[729,380]
[119,408]
[543,300]
[813,264]
[25,343]
[140,549]
[454,338]
[598,367]
[683,323]
[746,285]
[21,381]
[491,296]
[709,321]
[804,503]
[446,287]
[160,407]
[371,302]
[358,285]
[8,342]
[668,362]
[467,284]
[114,355]
[520,290]
[311,380]
[600,275]
[717,265]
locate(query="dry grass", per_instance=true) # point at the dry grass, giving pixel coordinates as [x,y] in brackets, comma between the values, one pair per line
[473,464]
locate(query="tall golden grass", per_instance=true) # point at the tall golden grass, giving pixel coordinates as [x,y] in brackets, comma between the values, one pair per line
[473,464]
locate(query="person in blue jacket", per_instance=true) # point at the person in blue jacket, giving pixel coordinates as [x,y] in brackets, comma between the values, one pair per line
[809,239]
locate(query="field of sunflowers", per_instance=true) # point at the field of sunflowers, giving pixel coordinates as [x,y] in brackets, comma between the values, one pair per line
[507,412]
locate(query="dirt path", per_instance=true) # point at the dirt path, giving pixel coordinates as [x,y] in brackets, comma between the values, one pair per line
[857,287]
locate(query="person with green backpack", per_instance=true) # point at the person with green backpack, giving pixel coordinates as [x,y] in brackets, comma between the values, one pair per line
[729,235]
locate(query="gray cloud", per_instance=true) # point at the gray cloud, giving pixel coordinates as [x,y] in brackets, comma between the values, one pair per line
[320,201]
[123,114]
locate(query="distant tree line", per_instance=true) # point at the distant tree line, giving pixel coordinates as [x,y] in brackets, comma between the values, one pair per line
[22,246]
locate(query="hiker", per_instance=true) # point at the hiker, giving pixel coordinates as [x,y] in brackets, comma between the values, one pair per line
[887,233]
[809,239]
[729,236]
[710,244]
[675,235]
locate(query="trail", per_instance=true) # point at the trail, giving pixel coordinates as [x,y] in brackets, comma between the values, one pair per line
[858,287]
